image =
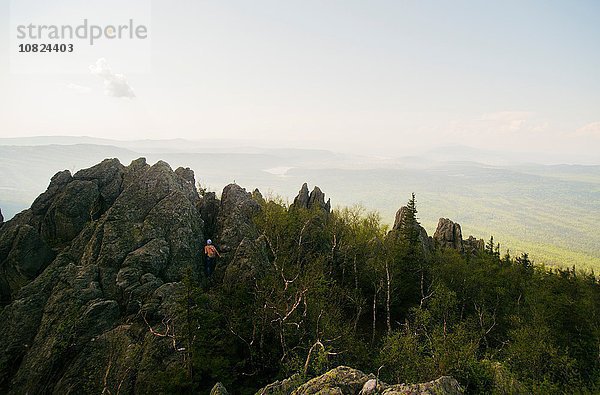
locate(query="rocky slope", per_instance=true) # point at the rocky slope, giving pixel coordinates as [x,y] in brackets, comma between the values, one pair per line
[90,275]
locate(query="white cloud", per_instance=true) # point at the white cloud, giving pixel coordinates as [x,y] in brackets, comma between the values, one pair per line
[78,88]
[589,130]
[115,85]
[511,121]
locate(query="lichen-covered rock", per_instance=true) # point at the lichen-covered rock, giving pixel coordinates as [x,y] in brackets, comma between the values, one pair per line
[23,254]
[341,380]
[57,183]
[108,177]
[69,211]
[373,386]
[344,380]
[219,389]
[282,387]
[249,261]
[443,386]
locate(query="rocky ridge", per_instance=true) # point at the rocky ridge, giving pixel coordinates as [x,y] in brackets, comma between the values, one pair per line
[90,274]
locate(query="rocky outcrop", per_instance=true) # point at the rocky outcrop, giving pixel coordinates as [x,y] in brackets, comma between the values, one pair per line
[282,387]
[90,273]
[301,200]
[344,380]
[443,386]
[235,218]
[316,199]
[91,280]
[249,261]
[341,380]
[449,235]
[473,245]
[1,218]
[219,389]
[23,255]
[400,221]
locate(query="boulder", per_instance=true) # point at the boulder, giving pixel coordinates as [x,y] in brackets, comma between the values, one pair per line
[445,385]
[341,380]
[282,387]
[219,389]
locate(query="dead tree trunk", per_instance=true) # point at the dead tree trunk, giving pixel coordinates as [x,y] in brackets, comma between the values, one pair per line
[377,288]
[388,297]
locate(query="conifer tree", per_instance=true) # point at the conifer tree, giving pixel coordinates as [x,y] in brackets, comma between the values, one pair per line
[410,223]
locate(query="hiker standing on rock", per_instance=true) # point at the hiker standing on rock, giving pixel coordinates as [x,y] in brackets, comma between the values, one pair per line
[211,257]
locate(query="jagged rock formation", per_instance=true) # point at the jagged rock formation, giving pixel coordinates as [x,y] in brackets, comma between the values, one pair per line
[344,380]
[88,271]
[399,222]
[449,235]
[316,198]
[235,218]
[1,218]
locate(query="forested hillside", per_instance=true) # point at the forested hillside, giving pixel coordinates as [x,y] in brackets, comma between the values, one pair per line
[339,288]
[103,289]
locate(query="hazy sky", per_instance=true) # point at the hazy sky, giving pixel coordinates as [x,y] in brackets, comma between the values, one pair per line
[376,76]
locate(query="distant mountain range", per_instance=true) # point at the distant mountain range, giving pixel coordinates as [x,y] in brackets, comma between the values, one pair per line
[550,211]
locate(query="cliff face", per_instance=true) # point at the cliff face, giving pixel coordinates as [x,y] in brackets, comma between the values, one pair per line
[91,274]
[89,270]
